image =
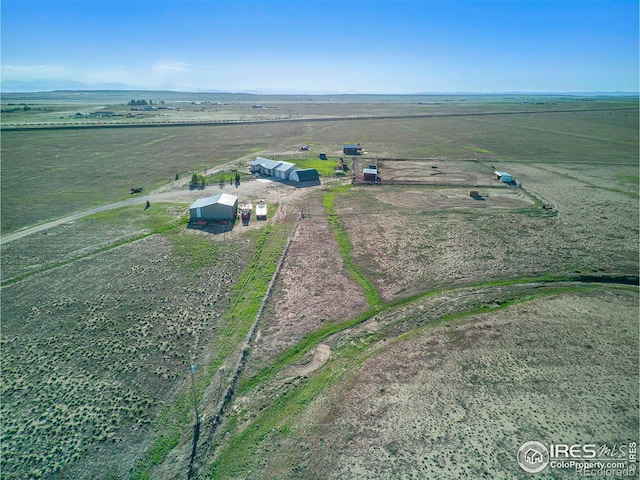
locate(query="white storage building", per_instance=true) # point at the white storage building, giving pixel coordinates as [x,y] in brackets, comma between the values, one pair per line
[218,207]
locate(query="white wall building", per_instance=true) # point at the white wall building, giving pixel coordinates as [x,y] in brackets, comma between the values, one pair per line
[218,207]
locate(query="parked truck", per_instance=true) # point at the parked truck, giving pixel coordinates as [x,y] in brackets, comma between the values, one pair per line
[245,213]
[261,210]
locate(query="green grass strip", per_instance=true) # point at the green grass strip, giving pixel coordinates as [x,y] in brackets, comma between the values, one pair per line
[307,341]
[236,459]
[310,340]
[345,247]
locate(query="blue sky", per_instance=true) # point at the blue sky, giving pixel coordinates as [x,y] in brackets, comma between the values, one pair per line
[400,46]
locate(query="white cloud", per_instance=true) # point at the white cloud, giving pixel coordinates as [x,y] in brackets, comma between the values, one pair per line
[171,67]
[35,72]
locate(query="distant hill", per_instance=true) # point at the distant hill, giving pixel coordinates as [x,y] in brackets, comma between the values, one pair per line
[51,85]
[119,96]
[79,92]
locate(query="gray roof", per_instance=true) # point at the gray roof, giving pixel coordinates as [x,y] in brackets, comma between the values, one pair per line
[266,163]
[222,199]
[284,166]
[370,171]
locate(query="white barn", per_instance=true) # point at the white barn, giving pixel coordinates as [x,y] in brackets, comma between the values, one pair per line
[218,207]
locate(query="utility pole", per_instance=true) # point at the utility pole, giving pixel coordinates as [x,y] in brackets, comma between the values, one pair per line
[193,389]
[353,169]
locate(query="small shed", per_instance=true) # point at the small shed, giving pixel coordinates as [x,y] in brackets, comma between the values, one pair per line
[305,175]
[218,207]
[504,177]
[323,156]
[370,174]
[352,149]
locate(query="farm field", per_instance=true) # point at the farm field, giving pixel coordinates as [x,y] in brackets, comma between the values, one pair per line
[56,109]
[362,331]
[53,172]
[95,349]
[457,400]
[436,237]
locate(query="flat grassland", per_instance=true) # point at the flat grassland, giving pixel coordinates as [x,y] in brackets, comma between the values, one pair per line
[94,350]
[50,172]
[411,330]
[458,400]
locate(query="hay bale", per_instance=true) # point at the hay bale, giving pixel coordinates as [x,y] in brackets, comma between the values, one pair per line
[474,193]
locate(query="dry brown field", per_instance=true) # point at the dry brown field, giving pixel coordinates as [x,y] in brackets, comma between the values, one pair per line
[313,289]
[411,238]
[51,172]
[458,400]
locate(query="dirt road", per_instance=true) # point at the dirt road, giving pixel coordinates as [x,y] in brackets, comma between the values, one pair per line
[177,192]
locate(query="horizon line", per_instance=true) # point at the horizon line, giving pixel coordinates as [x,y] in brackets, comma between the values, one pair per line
[323,93]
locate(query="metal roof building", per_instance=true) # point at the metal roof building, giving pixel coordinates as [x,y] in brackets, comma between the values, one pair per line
[218,207]
[305,175]
[504,177]
[283,170]
[352,149]
[370,174]
[263,166]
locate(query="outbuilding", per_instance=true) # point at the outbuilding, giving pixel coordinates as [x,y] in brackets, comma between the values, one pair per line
[305,175]
[370,174]
[219,207]
[352,149]
[504,177]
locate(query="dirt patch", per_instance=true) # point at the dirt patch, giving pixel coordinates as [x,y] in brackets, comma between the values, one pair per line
[321,354]
[436,244]
[446,198]
[431,172]
[313,288]
[559,369]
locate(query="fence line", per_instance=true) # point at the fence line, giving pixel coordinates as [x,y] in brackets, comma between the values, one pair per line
[201,451]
